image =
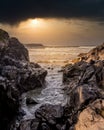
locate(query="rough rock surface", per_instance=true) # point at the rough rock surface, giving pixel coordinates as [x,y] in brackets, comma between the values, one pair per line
[85,89]
[49,117]
[84,110]
[92,118]
[95,54]
[84,83]
[30,101]
[17,75]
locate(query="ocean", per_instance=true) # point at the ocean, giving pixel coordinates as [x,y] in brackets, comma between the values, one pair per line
[56,56]
[51,59]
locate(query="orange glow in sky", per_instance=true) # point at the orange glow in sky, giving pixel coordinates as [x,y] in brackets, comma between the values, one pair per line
[56,31]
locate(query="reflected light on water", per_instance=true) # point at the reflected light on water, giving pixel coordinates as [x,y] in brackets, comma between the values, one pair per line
[56,56]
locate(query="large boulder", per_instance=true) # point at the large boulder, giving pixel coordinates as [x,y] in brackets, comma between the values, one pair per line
[12,47]
[48,117]
[95,54]
[92,117]
[18,49]
[4,37]
[85,89]
[17,75]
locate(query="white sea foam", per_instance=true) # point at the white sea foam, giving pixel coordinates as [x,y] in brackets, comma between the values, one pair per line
[51,59]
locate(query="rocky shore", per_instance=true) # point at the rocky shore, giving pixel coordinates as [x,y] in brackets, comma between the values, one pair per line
[17,75]
[83,86]
[84,110]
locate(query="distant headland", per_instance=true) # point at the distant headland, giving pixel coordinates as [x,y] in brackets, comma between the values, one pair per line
[34,45]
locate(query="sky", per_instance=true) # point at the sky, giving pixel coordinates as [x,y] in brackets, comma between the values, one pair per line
[54,22]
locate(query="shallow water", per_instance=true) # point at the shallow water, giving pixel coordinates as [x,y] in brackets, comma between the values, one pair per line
[51,94]
[52,59]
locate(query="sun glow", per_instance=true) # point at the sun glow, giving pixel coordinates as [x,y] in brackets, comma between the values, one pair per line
[34,22]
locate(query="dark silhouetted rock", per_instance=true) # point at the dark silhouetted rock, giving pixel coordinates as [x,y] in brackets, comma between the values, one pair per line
[15,50]
[85,86]
[84,89]
[17,75]
[4,37]
[32,124]
[48,117]
[30,101]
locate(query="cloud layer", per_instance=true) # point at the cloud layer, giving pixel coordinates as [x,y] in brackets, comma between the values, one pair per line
[15,11]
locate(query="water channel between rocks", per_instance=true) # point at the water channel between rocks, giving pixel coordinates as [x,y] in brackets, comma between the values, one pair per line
[52,59]
[52,93]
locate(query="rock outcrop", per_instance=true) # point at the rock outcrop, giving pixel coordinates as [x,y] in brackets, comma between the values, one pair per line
[17,75]
[85,89]
[48,117]
[95,54]
[84,81]
[84,110]
[92,117]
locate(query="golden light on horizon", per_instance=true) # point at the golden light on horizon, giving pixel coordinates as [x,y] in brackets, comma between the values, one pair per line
[35,22]
[32,23]
[55,31]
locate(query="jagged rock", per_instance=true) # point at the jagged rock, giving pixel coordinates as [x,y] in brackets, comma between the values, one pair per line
[85,86]
[85,96]
[17,75]
[12,47]
[15,50]
[92,118]
[95,54]
[9,102]
[48,117]
[4,37]
[49,113]
[30,101]
[84,82]
[32,124]
[85,90]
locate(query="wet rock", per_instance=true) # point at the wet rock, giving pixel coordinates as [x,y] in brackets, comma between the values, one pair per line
[30,101]
[48,117]
[32,124]
[49,68]
[4,37]
[59,71]
[49,112]
[84,73]
[9,102]
[92,117]
[17,75]
[95,54]
[84,81]
[85,89]
[84,110]
[13,48]
[16,50]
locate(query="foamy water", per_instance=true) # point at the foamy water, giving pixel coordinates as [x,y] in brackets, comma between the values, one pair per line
[51,59]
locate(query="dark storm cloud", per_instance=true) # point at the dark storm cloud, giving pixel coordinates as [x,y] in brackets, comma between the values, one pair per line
[14,11]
